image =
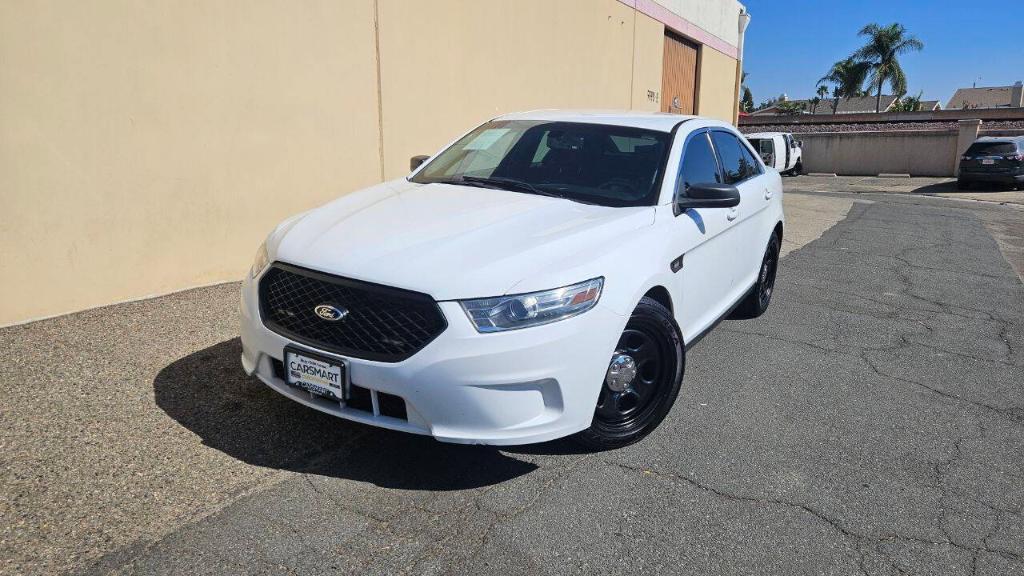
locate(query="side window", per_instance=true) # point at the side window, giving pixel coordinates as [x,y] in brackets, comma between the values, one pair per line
[766,148]
[698,166]
[738,163]
[753,167]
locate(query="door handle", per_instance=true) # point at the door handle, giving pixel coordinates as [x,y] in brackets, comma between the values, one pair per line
[767,194]
[732,214]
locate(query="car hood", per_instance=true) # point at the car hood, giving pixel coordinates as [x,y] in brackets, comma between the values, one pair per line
[452,241]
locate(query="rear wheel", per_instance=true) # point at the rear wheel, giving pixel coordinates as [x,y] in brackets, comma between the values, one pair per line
[642,380]
[760,296]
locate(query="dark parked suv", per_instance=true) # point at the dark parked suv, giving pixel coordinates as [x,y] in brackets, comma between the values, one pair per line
[998,160]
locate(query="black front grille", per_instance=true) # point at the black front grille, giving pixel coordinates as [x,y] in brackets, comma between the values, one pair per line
[383,323]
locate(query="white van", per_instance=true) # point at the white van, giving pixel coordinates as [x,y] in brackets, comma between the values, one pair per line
[779,150]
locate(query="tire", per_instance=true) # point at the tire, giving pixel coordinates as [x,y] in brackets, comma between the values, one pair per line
[760,296]
[962,185]
[798,169]
[651,340]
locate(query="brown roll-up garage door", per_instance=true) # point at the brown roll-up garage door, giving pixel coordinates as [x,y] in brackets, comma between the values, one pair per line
[678,75]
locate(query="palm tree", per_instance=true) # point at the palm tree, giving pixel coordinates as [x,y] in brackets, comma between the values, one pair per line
[820,93]
[885,44]
[846,77]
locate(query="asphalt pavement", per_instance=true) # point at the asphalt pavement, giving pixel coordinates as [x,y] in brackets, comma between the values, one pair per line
[871,422]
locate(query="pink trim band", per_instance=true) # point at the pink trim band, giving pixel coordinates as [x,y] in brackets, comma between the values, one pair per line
[682,26]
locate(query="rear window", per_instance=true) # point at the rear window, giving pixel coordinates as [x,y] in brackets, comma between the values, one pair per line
[991,148]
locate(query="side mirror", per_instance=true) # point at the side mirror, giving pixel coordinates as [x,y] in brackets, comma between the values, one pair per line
[710,195]
[415,161]
[800,143]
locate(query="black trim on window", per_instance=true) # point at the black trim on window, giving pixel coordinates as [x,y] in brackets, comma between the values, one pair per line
[705,132]
[744,144]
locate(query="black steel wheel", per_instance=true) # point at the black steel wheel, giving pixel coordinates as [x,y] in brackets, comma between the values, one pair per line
[642,380]
[760,296]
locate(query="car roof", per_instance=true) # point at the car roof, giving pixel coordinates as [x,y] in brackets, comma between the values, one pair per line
[1000,139]
[659,121]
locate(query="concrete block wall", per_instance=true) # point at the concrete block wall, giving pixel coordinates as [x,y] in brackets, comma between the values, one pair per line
[914,152]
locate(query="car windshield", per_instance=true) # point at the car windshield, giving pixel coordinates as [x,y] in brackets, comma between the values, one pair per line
[590,163]
[993,148]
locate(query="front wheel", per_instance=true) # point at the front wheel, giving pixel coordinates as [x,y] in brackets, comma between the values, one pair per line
[642,380]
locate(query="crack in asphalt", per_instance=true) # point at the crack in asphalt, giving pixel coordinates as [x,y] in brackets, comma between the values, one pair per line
[502,517]
[831,521]
[1012,413]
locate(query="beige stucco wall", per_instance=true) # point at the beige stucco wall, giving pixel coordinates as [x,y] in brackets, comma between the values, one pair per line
[647,57]
[716,85]
[914,152]
[532,54]
[147,147]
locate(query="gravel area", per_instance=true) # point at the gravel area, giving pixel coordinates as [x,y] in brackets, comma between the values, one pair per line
[876,127]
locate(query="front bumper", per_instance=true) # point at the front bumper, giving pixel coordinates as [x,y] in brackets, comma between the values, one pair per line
[516,387]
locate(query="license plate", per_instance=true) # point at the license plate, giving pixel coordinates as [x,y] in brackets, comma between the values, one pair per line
[317,374]
[988,161]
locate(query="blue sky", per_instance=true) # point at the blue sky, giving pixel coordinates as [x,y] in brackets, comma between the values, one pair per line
[790,45]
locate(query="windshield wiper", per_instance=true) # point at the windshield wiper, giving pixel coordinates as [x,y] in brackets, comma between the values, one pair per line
[506,183]
[512,184]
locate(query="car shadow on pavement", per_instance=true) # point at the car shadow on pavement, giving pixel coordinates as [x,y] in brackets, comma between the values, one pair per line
[951,187]
[937,188]
[208,393]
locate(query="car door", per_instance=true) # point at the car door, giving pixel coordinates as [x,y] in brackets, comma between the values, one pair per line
[741,169]
[702,239]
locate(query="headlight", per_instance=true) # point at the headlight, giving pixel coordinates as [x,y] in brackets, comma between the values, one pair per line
[260,262]
[524,310]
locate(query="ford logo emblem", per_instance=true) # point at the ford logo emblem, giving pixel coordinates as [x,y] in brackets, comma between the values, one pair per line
[330,313]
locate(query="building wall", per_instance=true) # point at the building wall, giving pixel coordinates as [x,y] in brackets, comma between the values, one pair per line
[917,152]
[716,86]
[147,147]
[719,19]
[537,54]
[647,61]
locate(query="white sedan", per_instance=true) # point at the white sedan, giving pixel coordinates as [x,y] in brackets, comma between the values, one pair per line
[540,277]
